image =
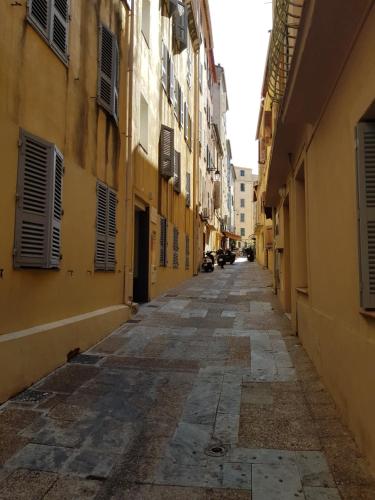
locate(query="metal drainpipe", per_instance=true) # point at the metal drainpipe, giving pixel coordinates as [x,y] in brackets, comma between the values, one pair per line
[128,252]
[196,176]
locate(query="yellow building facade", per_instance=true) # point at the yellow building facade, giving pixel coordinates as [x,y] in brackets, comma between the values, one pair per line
[319,183]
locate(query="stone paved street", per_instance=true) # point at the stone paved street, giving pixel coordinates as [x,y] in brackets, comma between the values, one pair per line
[205,394]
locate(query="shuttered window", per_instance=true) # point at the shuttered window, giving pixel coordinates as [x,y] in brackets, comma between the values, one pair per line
[187,252]
[51,19]
[164,67]
[175,247]
[163,241]
[180,27]
[366,209]
[105,247]
[181,105]
[177,172]
[39,204]
[188,190]
[189,68]
[171,94]
[108,78]
[186,121]
[166,154]
[190,128]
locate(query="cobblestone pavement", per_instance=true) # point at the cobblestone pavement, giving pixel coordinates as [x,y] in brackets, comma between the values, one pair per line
[205,394]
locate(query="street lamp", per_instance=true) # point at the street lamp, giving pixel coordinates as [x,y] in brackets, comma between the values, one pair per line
[217,175]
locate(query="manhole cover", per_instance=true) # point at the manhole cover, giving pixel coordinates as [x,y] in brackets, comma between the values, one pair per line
[216,450]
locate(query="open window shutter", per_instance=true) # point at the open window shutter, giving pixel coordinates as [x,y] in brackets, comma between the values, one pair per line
[189,64]
[175,247]
[166,152]
[38,15]
[268,124]
[189,131]
[32,233]
[60,25]
[55,245]
[111,230]
[164,67]
[180,26]
[181,104]
[116,77]
[172,6]
[101,226]
[186,121]
[171,81]
[366,205]
[177,172]
[163,241]
[187,252]
[106,69]
[188,200]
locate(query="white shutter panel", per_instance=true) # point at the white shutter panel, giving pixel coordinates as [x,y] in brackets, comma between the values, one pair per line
[186,121]
[181,105]
[59,26]
[58,171]
[34,203]
[101,226]
[164,67]
[38,14]
[366,204]
[111,230]
[171,81]
[166,152]
[106,69]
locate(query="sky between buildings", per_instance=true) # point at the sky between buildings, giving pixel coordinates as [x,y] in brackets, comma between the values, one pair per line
[240,32]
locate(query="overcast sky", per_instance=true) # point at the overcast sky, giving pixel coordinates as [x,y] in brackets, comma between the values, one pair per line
[241,37]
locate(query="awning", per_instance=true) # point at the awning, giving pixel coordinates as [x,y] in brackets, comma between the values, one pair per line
[232,236]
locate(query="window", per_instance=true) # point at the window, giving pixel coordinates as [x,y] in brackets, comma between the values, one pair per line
[51,19]
[188,195]
[166,156]
[242,202]
[39,204]
[242,173]
[187,252]
[164,67]
[175,247]
[242,186]
[242,217]
[171,94]
[163,241]
[146,20]
[108,87]
[180,27]
[366,204]
[143,133]
[177,172]
[105,247]
[242,231]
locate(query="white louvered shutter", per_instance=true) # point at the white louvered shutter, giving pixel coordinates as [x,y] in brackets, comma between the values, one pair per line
[55,250]
[171,81]
[186,121]
[164,67]
[111,230]
[60,25]
[38,14]
[166,152]
[366,205]
[181,105]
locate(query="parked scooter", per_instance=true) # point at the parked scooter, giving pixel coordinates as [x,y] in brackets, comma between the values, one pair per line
[220,258]
[208,263]
[250,254]
[230,256]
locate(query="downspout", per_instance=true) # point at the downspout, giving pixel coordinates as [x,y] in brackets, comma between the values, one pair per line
[196,176]
[128,247]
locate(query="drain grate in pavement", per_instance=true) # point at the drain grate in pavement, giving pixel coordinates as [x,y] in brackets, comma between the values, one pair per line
[171,295]
[134,320]
[152,305]
[30,396]
[85,359]
[216,451]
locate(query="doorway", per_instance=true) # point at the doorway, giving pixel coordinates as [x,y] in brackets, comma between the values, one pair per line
[141,255]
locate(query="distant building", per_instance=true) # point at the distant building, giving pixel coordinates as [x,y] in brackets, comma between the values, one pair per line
[244,205]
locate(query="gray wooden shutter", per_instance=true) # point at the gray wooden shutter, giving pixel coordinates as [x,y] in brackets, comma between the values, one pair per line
[108,60]
[60,25]
[163,241]
[177,92]
[171,81]
[177,172]
[172,6]
[116,81]
[101,226]
[187,252]
[111,230]
[58,172]
[366,205]
[189,68]
[38,14]
[186,121]
[181,105]
[166,152]
[164,67]
[175,248]
[180,26]
[188,196]
[38,211]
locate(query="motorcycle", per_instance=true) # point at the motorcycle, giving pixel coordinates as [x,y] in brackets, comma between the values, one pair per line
[207,264]
[250,255]
[230,257]
[221,259]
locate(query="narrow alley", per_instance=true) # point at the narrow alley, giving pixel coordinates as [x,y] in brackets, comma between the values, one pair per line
[205,394]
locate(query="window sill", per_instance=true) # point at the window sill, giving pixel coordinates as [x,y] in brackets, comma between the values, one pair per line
[303,291]
[367,314]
